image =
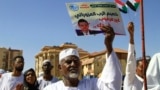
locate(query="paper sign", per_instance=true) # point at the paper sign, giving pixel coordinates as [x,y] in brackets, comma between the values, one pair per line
[88,17]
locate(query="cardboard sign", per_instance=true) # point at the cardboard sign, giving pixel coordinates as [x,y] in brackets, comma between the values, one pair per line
[88,17]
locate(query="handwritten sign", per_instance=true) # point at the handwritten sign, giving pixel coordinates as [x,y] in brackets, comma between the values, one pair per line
[88,17]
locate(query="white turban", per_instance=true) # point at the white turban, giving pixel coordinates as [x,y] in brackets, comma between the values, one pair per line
[46,61]
[67,52]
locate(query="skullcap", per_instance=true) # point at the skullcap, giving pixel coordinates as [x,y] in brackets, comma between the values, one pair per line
[46,61]
[67,52]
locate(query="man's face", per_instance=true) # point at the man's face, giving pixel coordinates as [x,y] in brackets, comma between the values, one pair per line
[19,64]
[70,67]
[139,69]
[84,26]
[47,67]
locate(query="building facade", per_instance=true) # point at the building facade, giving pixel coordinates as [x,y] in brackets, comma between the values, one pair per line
[93,64]
[6,57]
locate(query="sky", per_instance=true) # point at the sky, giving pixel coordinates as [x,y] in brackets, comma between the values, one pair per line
[29,25]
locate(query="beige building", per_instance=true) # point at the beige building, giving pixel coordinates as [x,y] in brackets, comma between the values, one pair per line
[92,63]
[6,56]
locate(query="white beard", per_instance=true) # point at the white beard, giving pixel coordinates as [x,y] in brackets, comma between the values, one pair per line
[73,75]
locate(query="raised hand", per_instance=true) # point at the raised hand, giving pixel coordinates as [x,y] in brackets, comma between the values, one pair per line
[109,37]
[131,32]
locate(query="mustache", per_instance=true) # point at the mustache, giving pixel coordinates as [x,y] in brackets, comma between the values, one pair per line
[73,69]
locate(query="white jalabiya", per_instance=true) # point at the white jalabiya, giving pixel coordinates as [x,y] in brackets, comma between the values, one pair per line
[111,78]
[131,80]
[43,83]
[153,73]
[9,82]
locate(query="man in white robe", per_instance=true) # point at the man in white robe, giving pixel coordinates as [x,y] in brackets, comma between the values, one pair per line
[47,77]
[13,80]
[134,69]
[70,68]
[153,73]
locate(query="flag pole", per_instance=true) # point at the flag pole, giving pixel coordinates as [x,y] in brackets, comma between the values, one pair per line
[143,44]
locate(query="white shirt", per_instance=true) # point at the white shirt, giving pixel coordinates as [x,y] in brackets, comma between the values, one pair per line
[153,73]
[111,78]
[131,80]
[43,83]
[9,82]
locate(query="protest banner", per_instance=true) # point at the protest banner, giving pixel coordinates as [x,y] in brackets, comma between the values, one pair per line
[88,17]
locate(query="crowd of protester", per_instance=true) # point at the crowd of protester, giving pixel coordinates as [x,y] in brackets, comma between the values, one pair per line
[70,69]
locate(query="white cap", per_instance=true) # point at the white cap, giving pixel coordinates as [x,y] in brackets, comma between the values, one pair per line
[45,61]
[67,52]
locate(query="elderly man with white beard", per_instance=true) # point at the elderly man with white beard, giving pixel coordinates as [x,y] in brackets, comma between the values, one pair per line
[70,68]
